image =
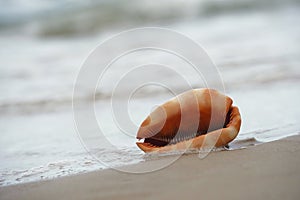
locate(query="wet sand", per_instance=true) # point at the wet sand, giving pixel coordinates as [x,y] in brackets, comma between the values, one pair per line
[267,171]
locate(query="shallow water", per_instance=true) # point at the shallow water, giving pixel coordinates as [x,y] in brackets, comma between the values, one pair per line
[255,51]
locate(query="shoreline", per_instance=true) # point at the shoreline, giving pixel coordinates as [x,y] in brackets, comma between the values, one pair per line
[269,170]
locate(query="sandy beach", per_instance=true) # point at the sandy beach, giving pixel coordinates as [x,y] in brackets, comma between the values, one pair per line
[267,171]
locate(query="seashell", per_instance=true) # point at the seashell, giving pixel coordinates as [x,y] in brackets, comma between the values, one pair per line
[194,119]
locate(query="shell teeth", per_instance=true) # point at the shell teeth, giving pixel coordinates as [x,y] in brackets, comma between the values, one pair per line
[149,144]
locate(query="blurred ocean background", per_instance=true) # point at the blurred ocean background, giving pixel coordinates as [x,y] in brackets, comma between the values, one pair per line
[254,44]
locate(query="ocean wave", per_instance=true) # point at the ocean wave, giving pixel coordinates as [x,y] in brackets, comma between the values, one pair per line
[62,18]
[48,171]
[46,104]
